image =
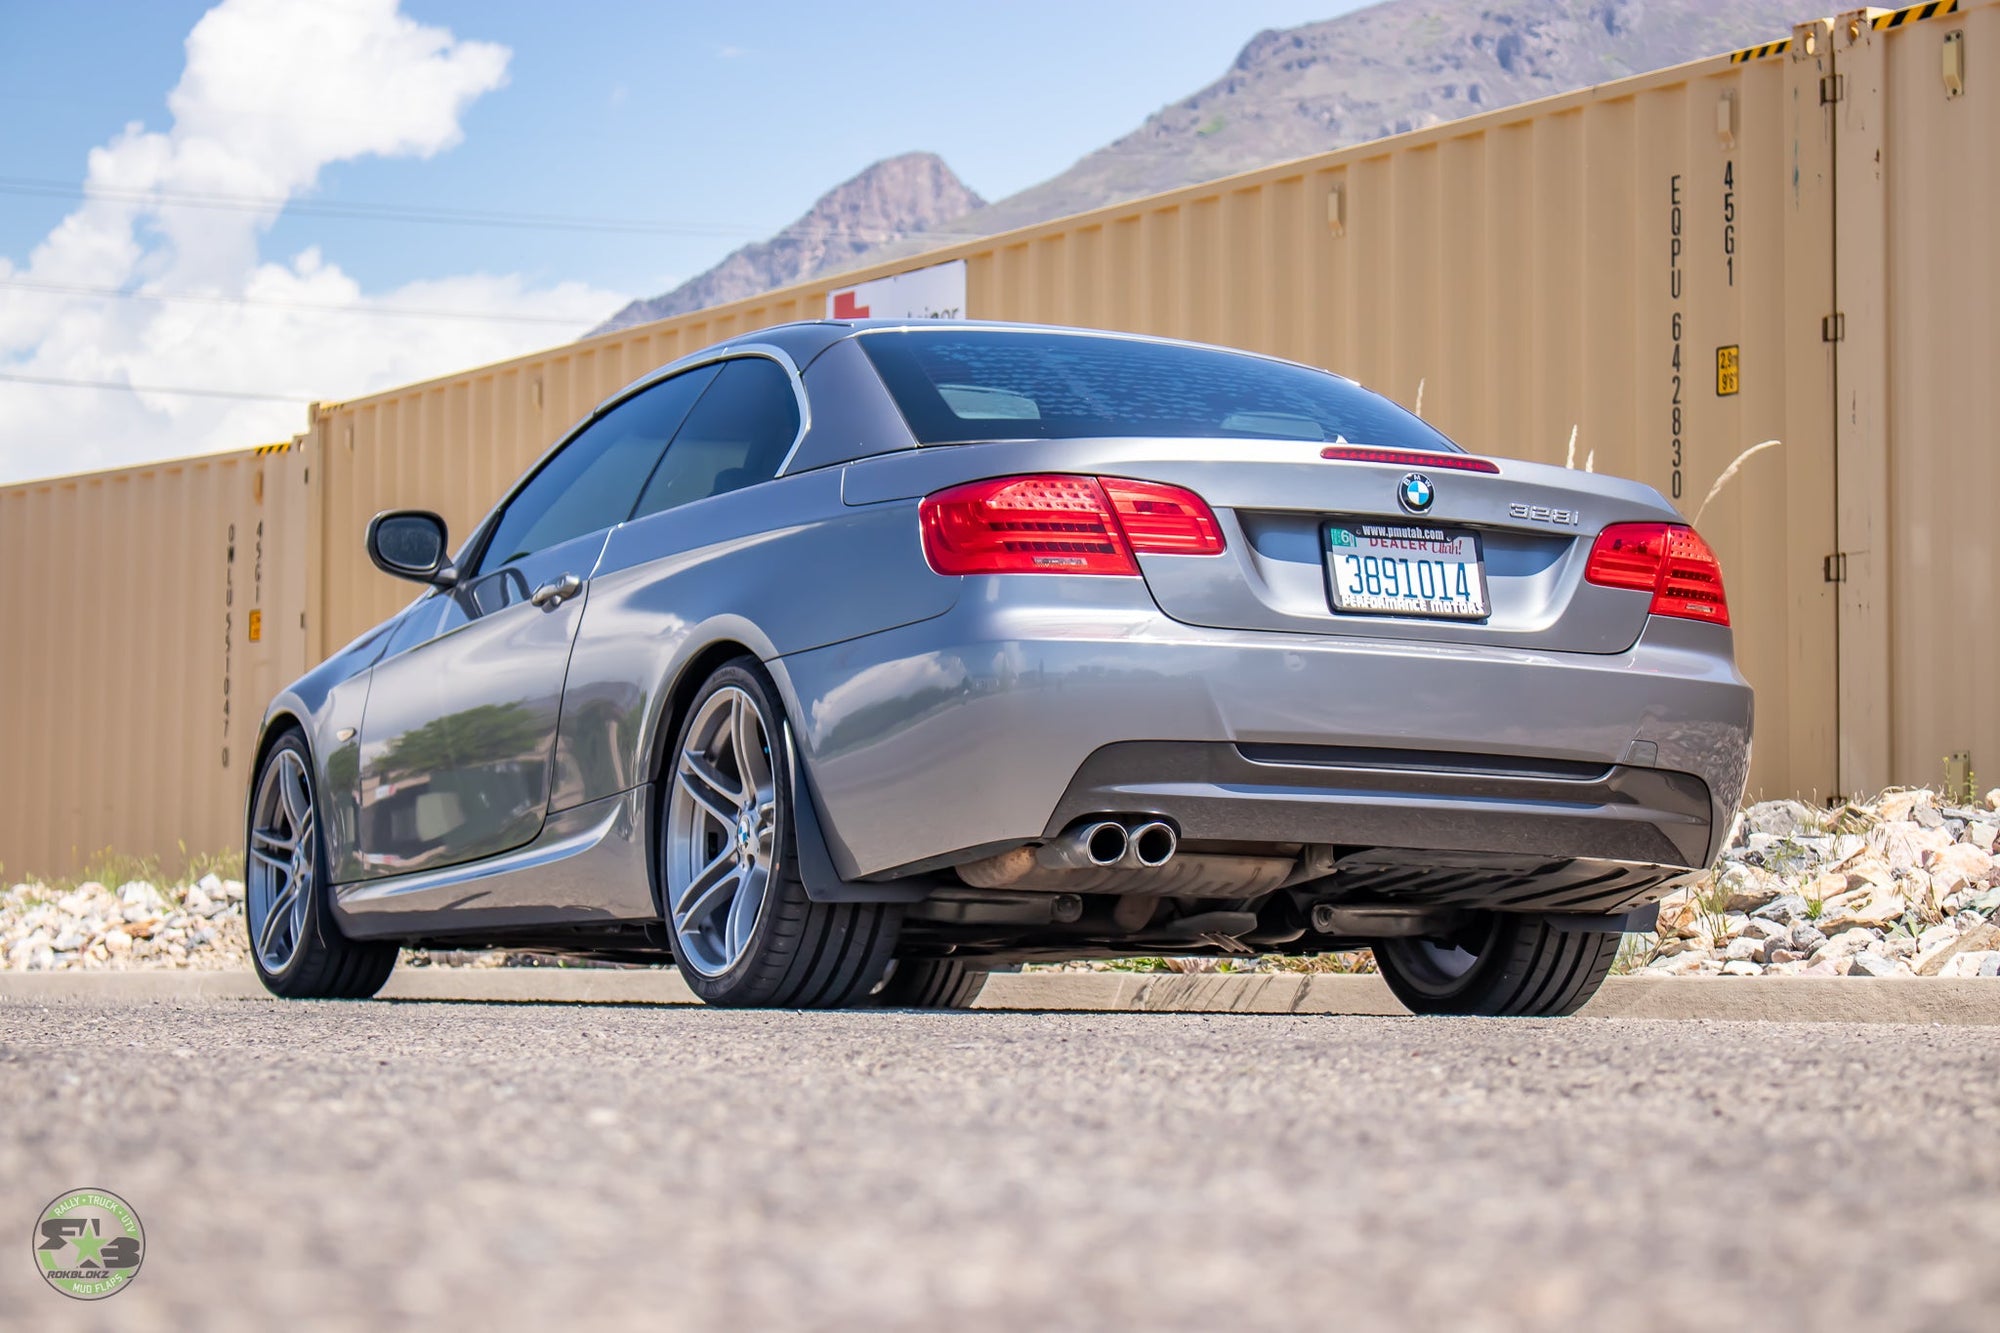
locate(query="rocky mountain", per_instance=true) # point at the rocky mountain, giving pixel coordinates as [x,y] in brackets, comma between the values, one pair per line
[888,201]
[1387,69]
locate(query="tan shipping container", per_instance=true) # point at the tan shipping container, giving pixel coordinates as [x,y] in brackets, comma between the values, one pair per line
[1919,397]
[147,615]
[1644,264]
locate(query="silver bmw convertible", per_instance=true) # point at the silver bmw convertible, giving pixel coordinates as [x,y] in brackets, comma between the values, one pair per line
[845,662]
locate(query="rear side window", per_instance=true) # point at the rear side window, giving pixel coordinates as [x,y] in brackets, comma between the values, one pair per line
[736,436]
[959,385]
[590,484]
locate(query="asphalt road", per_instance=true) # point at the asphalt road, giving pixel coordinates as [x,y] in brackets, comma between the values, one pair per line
[511,1165]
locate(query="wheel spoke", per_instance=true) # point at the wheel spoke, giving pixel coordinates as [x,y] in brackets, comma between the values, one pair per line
[280,864]
[705,893]
[747,738]
[703,769]
[705,796]
[281,907]
[292,790]
[272,841]
[743,909]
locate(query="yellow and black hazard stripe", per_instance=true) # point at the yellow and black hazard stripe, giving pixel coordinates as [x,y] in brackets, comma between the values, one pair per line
[1914,14]
[263,449]
[1778,47]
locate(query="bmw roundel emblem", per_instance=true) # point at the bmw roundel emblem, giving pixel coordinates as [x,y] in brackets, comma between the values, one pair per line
[1416,493]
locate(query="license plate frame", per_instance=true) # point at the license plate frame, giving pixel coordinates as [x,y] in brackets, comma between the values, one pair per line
[1411,606]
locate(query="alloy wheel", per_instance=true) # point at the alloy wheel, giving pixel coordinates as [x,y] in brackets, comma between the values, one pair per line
[283,855]
[722,832]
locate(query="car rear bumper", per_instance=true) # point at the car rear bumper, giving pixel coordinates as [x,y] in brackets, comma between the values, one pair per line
[1012,714]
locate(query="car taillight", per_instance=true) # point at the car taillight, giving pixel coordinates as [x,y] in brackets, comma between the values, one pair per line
[1163,520]
[1667,559]
[1062,525]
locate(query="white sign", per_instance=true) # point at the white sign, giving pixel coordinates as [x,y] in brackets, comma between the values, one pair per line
[937,292]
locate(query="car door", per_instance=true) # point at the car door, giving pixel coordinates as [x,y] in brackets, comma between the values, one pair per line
[459,731]
[656,581]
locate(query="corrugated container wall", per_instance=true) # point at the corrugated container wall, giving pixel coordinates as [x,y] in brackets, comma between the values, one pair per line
[1791,243]
[133,684]
[1642,265]
[1919,399]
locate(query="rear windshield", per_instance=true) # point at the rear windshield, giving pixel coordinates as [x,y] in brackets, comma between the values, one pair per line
[959,385]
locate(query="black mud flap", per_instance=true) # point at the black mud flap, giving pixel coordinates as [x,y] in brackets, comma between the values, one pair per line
[816,869]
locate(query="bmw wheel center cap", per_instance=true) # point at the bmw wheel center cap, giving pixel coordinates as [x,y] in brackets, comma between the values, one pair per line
[1416,493]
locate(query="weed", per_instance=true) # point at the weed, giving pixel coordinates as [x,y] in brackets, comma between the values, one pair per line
[1711,903]
[1634,952]
[1137,965]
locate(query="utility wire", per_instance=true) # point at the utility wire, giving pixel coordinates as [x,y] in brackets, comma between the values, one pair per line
[182,390]
[412,312]
[329,208]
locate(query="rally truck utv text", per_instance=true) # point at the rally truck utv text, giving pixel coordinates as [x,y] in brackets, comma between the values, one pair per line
[845,661]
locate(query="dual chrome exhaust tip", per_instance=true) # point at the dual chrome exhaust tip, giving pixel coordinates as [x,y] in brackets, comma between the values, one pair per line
[1102,843]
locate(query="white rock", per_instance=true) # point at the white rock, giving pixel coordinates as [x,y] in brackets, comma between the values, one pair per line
[70,941]
[1743,950]
[1958,866]
[1871,907]
[1741,968]
[1898,805]
[1993,799]
[1783,818]
[1869,964]
[1937,937]
[117,941]
[1973,964]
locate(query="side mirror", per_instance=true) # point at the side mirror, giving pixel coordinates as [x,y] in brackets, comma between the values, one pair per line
[411,544]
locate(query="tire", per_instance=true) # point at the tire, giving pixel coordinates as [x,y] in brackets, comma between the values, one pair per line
[298,950]
[745,933]
[1502,964]
[930,983]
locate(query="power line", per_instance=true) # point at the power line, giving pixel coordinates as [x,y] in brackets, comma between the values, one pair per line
[195,298]
[328,208]
[181,390]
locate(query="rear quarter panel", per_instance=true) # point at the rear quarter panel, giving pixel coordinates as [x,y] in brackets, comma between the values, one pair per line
[779,568]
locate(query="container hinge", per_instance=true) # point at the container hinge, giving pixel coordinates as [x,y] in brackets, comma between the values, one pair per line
[1835,567]
[1832,328]
[1831,88]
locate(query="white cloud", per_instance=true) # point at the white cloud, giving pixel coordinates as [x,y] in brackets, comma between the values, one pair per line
[273,92]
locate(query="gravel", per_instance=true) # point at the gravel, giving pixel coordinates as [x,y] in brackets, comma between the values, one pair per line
[1905,885]
[333,1166]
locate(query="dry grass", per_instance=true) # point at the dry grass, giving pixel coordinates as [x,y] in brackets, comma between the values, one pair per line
[1729,474]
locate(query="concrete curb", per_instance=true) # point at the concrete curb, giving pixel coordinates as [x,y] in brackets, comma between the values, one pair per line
[1956,1001]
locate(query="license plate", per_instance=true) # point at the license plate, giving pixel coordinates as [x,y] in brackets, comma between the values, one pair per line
[1398,569]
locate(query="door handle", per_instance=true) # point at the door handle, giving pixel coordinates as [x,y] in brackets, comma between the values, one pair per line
[558,592]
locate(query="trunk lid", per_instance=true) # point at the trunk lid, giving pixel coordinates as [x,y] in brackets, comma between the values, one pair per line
[1531,525]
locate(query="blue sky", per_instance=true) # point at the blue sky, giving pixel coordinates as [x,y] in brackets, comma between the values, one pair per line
[722,121]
